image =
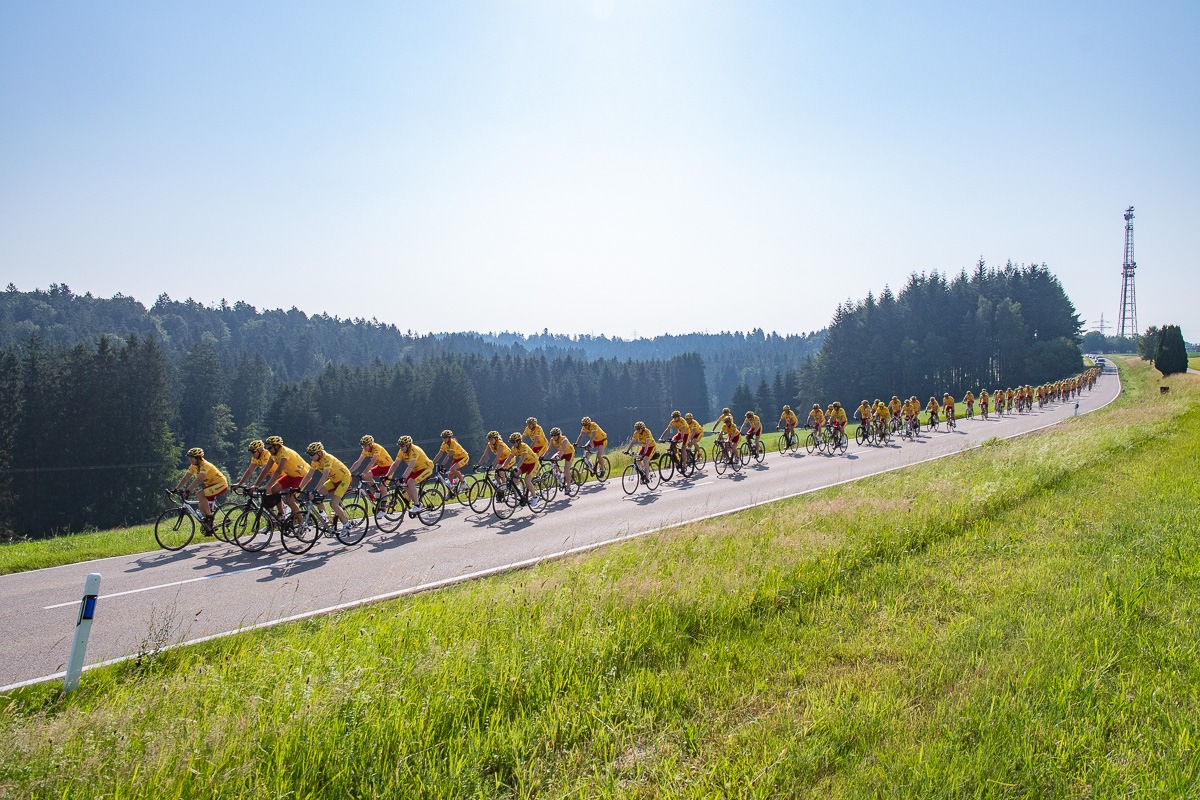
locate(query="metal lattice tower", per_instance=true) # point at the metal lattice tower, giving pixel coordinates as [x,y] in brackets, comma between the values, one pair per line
[1127,326]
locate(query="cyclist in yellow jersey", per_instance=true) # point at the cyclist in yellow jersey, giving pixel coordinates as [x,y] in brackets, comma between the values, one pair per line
[816,419]
[948,405]
[731,433]
[882,412]
[375,462]
[456,455]
[537,437]
[934,410]
[522,458]
[644,439]
[863,414]
[201,473]
[498,450]
[417,467]
[331,475]
[896,407]
[597,440]
[725,412]
[695,433]
[288,470]
[752,427]
[260,461]
[969,399]
[561,449]
[836,416]
[788,419]
[681,430]
[983,400]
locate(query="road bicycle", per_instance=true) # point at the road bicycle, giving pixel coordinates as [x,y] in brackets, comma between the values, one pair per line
[789,440]
[314,522]
[175,527]
[983,411]
[724,456]
[393,506]
[864,434]
[753,450]
[554,480]
[672,461]
[835,438]
[634,476]
[256,523]
[951,422]
[935,422]
[512,494]
[479,493]
[586,467]
[450,490]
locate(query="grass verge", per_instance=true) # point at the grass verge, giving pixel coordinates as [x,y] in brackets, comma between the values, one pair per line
[1018,621]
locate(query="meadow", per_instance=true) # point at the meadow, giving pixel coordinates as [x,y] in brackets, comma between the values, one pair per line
[1020,620]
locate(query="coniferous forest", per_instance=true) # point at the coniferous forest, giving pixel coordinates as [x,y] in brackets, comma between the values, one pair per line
[104,393]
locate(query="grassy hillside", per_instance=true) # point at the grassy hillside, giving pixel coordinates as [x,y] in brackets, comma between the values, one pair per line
[1018,621]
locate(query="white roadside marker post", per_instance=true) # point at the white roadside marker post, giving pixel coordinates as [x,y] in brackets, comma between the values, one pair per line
[83,627]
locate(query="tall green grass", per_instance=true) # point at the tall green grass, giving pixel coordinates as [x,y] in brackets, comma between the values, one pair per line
[1017,621]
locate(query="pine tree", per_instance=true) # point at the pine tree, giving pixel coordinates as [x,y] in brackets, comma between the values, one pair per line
[1171,355]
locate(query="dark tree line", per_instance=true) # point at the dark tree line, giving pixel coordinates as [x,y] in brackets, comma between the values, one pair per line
[471,394]
[91,434]
[994,328]
[289,346]
[85,438]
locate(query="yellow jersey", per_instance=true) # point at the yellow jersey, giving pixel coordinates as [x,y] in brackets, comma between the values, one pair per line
[377,451]
[338,473]
[293,465]
[457,451]
[594,431]
[212,475]
[415,458]
[537,437]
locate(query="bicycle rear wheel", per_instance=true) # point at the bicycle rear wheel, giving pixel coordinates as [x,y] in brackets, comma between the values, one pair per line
[433,502]
[357,525]
[298,535]
[252,530]
[174,528]
[389,511]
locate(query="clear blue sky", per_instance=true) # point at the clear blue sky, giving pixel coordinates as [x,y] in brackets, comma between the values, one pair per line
[598,165]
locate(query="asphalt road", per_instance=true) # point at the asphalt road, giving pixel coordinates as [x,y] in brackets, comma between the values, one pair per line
[212,589]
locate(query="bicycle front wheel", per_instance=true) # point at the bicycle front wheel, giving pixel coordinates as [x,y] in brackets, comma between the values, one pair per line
[603,468]
[810,444]
[479,496]
[174,528]
[666,468]
[701,459]
[504,502]
[860,436]
[630,479]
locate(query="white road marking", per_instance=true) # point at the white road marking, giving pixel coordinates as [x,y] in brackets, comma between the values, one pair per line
[289,562]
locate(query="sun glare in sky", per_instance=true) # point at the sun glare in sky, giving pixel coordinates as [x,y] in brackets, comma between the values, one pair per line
[596,166]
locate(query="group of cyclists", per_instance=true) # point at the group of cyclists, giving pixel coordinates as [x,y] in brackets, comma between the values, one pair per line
[281,473]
